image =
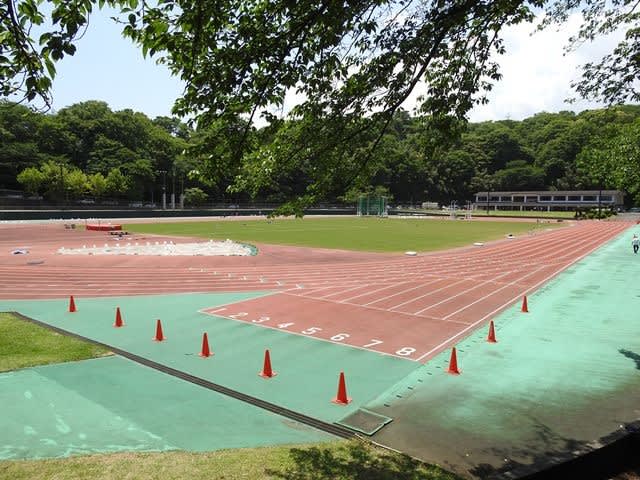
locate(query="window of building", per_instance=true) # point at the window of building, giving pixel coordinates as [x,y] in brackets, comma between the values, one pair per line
[545,198]
[574,198]
[518,199]
[481,199]
[559,198]
[589,198]
[505,199]
[532,199]
[495,199]
[606,198]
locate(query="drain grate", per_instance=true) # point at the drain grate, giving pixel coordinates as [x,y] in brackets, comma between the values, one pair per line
[364,421]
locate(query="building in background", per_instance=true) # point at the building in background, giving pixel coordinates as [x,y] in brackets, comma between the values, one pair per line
[550,200]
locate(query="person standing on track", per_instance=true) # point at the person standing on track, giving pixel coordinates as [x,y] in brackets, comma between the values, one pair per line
[635,242]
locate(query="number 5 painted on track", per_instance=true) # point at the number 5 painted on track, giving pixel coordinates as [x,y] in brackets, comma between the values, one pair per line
[311,330]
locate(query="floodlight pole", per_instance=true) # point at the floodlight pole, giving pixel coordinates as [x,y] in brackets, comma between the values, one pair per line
[173,189]
[164,188]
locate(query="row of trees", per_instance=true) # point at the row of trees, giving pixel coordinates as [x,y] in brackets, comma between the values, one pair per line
[354,65]
[87,149]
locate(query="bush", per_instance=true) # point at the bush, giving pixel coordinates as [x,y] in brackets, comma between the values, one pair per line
[194,196]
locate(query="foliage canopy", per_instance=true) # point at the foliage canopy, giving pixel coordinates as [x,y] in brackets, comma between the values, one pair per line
[351,64]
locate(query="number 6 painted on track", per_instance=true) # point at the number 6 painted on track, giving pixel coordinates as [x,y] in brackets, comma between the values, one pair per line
[340,337]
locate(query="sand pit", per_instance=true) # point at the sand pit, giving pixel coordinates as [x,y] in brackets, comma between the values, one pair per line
[165,248]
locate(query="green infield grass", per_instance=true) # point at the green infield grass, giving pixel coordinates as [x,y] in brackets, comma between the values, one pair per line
[340,459]
[363,234]
[24,344]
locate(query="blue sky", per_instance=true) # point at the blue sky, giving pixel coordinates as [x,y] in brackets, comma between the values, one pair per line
[536,74]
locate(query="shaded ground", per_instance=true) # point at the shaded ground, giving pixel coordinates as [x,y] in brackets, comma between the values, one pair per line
[561,379]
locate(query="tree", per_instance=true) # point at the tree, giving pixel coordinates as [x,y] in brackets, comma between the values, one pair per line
[614,78]
[75,183]
[97,185]
[615,162]
[117,183]
[348,60]
[31,180]
[194,196]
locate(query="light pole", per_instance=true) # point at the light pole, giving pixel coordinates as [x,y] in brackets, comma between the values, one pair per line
[182,192]
[173,189]
[164,188]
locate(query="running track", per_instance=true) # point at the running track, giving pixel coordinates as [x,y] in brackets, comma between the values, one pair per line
[409,307]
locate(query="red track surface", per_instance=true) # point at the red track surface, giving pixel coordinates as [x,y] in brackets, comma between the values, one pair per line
[411,307]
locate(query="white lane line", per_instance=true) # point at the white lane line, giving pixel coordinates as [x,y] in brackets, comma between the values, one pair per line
[422,285]
[385,287]
[504,305]
[488,282]
[449,285]
[343,290]
[493,293]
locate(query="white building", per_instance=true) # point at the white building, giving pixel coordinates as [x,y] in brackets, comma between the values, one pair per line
[549,200]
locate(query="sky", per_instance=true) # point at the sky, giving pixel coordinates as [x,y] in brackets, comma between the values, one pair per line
[536,74]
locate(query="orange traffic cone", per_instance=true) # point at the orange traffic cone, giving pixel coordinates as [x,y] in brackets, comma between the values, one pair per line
[492,334]
[205,352]
[159,335]
[341,396]
[267,372]
[72,304]
[525,308]
[119,323]
[453,363]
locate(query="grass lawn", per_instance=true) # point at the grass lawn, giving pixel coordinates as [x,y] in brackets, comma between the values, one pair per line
[338,460]
[364,234]
[23,344]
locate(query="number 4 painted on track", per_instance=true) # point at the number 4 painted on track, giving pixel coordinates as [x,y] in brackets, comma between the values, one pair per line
[373,342]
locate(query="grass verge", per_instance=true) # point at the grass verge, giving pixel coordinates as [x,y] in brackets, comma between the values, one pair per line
[338,460]
[363,234]
[24,344]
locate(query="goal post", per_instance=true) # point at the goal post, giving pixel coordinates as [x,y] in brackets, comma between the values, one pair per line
[369,205]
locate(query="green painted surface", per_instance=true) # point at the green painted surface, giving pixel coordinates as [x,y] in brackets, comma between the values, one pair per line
[307,369]
[362,234]
[113,404]
[560,377]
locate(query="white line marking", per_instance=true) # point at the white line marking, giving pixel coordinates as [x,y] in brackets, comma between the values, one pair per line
[504,305]
[458,294]
[422,285]
[494,292]
[449,285]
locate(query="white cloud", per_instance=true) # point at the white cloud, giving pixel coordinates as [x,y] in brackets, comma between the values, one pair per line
[537,73]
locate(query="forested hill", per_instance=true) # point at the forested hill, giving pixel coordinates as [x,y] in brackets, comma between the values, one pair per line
[91,151]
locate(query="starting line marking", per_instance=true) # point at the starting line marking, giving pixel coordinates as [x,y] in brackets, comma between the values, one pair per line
[312,332]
